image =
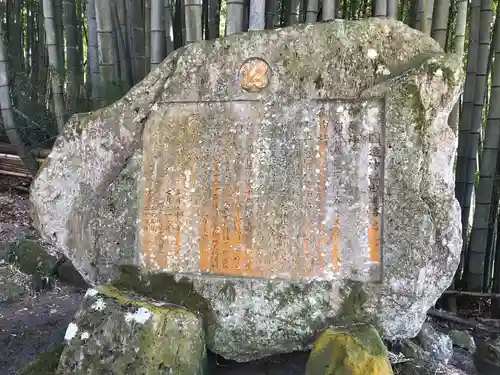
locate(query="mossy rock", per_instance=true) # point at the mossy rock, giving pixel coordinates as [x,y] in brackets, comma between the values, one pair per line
[463,339]
[120,333]
[357,350]
[31,258]
[312,67]
[412,350]
[44,363]
[487,357]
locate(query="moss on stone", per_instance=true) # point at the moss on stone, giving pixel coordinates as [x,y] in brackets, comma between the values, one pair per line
[412,350]
[109,291]
[352,312]
[170,339]
[13,284]
[44,363]
[152,360]
[412,94]
[228,291]
[357,350]
[353,303]
[164,287]
[31,258]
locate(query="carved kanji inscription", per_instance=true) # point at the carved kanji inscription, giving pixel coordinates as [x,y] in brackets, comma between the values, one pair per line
[242,189]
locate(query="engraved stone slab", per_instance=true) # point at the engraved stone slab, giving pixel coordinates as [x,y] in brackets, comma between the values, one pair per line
[244,189]
[240,167]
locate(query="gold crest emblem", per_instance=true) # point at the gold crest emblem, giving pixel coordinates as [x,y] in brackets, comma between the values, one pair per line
[255,75]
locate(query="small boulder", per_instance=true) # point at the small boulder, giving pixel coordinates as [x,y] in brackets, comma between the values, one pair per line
[487,357]
[31,258]
[463,339]
[68,274]
[357,350]
[464,360]
[116,333]
[437,344]
[412,350]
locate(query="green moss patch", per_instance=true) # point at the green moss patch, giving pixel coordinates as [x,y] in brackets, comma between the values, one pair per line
[31,258]
[44,363]
[164,287]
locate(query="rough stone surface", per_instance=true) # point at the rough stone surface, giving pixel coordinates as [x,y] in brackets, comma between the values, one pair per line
[86,198]
[464,360]
[437,344]
[352,351]
[115,333]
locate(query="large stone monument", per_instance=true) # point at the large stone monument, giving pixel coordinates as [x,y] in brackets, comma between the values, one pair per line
[273,182]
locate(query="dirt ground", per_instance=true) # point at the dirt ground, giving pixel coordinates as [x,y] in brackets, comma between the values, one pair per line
[32,324]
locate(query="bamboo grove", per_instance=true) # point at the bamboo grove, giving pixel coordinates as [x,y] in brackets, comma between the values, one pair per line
[59,57]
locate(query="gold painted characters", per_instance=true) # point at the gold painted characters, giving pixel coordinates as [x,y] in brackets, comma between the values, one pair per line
[255,75]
